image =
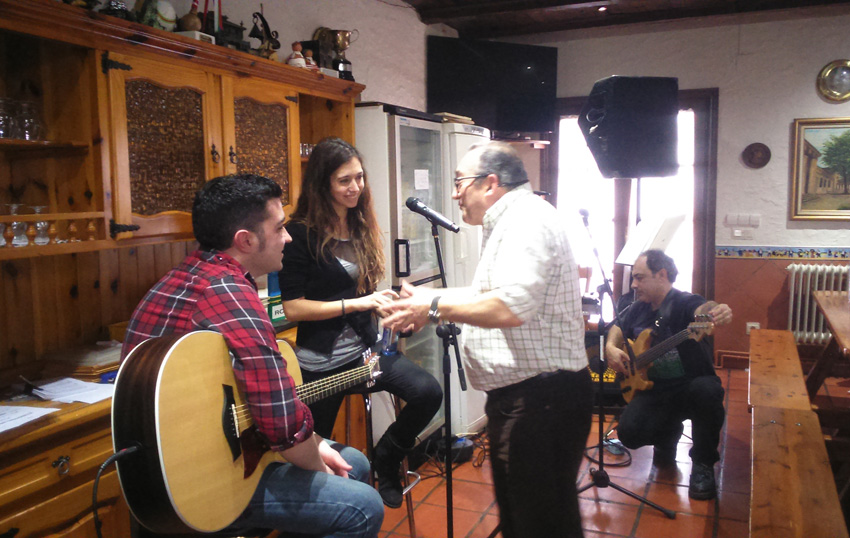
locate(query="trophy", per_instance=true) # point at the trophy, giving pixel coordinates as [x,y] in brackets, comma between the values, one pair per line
[341,40]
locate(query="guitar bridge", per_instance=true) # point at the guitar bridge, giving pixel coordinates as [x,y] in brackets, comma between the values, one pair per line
[230,422]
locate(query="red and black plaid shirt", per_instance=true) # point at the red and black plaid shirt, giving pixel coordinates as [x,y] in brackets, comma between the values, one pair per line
[212,291]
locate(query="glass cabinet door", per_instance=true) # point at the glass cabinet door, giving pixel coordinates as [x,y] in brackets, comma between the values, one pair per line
[166,142]
[261,133]
[419,174]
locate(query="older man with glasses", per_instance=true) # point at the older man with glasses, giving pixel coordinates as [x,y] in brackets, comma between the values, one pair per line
[523,341]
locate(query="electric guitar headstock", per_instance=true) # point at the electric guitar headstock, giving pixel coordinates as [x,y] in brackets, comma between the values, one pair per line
[371,359]
[701,327]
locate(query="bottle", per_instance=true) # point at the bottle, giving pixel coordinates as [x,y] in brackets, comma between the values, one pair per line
[389,342]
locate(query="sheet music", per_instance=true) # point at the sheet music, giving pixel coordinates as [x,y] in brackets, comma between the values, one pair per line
[69,390]
[12,416]
[649,234]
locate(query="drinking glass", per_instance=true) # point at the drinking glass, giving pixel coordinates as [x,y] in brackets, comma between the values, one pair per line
[19,228]
[2,239]
[41,237]
[29,121]
[7,118]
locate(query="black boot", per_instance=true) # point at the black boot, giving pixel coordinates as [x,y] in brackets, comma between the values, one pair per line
[387,464]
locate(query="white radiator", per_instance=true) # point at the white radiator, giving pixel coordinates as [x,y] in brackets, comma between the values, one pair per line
[804,319]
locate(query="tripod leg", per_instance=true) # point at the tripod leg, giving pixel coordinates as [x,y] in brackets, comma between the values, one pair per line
[669,513]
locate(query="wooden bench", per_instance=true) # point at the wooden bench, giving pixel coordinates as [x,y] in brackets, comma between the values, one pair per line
[793,493]
[776,377]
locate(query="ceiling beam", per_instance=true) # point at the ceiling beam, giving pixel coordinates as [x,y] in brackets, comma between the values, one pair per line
[433,15]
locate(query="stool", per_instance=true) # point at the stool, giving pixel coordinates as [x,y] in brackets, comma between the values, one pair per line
[370,445]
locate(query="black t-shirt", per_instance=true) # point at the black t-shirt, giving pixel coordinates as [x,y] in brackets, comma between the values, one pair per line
[686,361]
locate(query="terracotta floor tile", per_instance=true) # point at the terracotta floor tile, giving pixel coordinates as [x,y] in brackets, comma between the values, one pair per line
[738,408]
[729,528]
[735,472]
[676,498]
[611,494]
[482,474]
[485,527]
[618,519]
[465,495]
[734,505]
[653,524]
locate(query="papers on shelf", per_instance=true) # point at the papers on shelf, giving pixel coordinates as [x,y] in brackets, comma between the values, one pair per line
[69,390]
[12,416]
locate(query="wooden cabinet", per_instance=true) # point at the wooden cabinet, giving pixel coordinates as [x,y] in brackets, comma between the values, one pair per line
[137,119]
[48,472]
[109,157]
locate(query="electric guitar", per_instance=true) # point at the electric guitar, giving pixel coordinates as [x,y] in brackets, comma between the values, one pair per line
[201,457]
[637,379]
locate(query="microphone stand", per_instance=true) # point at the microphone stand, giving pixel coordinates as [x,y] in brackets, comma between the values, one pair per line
[448,333]
[599,477]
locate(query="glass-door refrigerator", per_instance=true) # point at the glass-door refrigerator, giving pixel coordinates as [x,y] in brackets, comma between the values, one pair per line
[402,157]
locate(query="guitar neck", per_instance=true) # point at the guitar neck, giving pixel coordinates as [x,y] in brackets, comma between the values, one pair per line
[645,359]
[311,392]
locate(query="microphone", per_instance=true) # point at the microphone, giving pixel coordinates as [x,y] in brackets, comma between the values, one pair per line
[584,214]
[416,205]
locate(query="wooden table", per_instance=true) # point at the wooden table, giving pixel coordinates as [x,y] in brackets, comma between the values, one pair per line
[776,377]
[836,311]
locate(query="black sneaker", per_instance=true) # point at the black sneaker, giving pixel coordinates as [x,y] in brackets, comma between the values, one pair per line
[702,486]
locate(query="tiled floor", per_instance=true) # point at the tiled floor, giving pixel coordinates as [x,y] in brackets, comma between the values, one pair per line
[606,511]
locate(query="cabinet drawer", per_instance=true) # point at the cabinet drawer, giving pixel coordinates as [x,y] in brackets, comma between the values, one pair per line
[67,510]
[44,466]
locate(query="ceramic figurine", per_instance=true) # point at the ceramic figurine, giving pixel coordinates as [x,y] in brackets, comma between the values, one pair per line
[296,59]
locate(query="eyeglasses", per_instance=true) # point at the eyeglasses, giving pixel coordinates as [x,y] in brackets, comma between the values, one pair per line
[459,180]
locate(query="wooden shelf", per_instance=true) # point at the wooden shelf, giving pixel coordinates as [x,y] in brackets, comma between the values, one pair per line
[38,148]
[51,217]
[17,253]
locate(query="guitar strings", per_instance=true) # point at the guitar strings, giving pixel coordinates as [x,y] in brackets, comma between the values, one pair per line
[242,412]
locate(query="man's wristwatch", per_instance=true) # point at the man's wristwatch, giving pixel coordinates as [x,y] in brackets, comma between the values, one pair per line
[434,312]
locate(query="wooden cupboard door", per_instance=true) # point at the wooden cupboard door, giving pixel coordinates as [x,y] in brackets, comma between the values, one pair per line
[166,139]
[261,126]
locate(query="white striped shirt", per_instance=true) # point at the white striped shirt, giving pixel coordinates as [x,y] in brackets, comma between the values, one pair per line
[526,258]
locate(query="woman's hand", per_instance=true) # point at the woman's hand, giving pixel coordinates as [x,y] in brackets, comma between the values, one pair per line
[372,301]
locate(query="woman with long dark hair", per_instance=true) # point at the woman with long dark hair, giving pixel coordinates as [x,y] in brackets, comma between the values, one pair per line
[328,284]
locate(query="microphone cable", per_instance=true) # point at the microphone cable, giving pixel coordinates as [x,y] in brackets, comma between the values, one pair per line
[109,461]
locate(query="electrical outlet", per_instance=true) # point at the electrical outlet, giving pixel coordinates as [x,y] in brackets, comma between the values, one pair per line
[753,325]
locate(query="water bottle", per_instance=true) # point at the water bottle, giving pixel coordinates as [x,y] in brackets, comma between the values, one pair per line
[389,342]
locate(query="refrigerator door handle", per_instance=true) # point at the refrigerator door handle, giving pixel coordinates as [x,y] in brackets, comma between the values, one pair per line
[402,257]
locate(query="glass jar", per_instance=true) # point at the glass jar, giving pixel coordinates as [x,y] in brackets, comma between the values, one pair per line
[29,121]
[7,118]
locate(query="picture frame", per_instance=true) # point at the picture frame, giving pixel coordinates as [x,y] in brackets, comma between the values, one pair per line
[820,183]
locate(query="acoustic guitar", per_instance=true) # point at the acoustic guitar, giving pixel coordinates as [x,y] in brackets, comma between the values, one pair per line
[637,379]
[201,460]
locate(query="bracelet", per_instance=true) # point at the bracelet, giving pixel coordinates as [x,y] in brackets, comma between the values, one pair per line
[342,301]
[434,312]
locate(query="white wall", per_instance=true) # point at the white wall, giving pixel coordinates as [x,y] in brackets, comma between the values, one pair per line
[388,57]
[765,67]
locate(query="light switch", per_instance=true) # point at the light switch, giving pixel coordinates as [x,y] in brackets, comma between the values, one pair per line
[755,220]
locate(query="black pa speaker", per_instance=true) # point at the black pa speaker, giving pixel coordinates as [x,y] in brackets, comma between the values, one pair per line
[629,124]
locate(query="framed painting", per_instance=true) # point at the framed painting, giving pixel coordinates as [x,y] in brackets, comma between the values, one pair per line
[820,186]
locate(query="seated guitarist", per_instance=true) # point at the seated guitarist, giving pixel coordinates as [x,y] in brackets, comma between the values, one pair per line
[685,384]
[238,222]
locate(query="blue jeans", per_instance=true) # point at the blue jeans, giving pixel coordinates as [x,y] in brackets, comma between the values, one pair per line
[306,503]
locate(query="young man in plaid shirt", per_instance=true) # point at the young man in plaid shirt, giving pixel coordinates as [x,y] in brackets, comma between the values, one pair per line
[238,222]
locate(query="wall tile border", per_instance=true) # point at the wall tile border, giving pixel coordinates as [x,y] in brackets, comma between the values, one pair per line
[783,253]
